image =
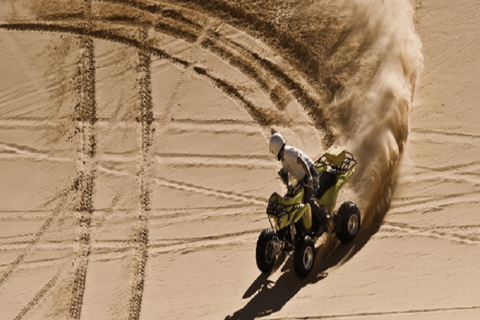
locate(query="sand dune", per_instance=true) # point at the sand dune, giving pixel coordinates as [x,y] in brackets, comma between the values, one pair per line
[135,164]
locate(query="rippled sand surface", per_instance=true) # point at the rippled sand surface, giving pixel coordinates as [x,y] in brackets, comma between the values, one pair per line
[135,171]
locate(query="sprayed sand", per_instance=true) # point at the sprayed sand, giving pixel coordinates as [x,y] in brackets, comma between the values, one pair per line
[135,166]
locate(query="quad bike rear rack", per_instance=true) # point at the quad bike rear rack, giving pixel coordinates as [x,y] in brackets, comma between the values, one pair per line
[339,160]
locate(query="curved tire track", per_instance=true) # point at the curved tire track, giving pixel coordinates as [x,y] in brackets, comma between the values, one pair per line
[304,95]
[249,62]
[241,60]
[98,31]
[261,116]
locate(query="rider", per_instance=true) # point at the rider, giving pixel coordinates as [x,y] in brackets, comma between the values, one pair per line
[301,167]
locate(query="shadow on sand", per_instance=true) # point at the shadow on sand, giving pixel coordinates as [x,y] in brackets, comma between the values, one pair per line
[272,296]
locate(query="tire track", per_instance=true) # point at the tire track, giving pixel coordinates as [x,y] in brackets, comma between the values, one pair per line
[32,264]
[104,245]
[383,313]
[205,238]
[202,161]
[14,156]
[304,95]
[446,133]
[218,156]
[208,191]
[184,127]
[249,212]
[249,62]
[173,95]
[197,163]
[86,115]
[107,247]
[471,165]
[298,53]
[188,245]
[446,199]
[25,214]
[225,122]
[230,122]
[106,212]
[17,236]
[276,92]
[41,295]
[13,151]
[468,234]
[136,14]
[113,249]
[98,31]
[245,63]
[37,237]
[163,9]
[257,26]
[194,212]
[45,246]
[435,204]
[262,116]
[145,137]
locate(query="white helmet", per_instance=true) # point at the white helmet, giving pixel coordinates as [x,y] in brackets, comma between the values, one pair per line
[277,143]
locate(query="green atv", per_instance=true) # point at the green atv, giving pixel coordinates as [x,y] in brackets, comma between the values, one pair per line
[295,228]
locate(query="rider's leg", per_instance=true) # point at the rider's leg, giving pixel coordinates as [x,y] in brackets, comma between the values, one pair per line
[310,193]
[319,217]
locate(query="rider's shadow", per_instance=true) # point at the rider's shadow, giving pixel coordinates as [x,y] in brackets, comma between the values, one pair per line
[272,296]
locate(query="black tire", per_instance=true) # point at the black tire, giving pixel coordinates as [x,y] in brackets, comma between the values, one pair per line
[265,252]
[304,257]
[350,221]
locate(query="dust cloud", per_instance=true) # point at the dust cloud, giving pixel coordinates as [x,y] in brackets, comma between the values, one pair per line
[372,114]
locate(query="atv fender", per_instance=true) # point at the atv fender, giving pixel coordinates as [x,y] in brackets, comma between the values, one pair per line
[304,212]
[306,216]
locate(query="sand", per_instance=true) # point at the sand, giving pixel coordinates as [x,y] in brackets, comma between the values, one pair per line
[135,169]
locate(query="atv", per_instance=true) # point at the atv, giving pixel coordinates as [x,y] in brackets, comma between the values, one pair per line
[296,229]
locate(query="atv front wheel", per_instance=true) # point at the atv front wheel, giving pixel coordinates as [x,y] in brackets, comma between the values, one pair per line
[304,257]
[350,222]
[265,252]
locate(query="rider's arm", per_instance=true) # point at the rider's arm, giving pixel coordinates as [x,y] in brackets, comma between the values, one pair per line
[308,175]
[283,173]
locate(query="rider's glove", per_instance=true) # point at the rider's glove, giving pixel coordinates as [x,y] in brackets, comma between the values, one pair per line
[283,175]
[308,181]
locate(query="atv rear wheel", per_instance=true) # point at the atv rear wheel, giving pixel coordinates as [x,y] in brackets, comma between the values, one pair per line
[265,252]
[350,222]
[304,257]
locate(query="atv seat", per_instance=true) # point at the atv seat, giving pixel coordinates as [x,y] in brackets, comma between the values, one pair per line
[326,181]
